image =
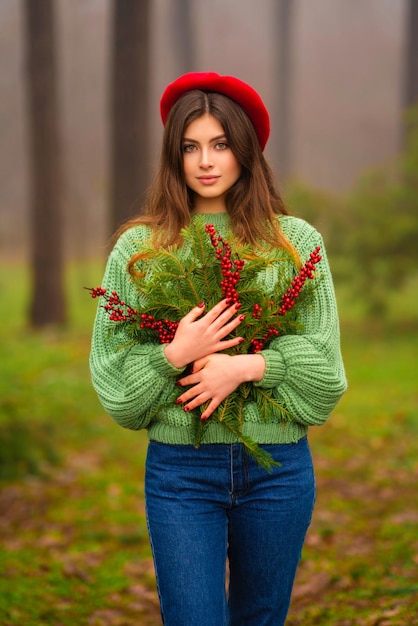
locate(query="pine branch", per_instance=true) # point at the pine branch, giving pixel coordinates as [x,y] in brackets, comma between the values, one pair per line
[198,427]
[203,269]
[262,457]
[230,415]
[268,406]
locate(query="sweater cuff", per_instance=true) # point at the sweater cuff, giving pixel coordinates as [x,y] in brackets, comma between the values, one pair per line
[162,365]
[275,370]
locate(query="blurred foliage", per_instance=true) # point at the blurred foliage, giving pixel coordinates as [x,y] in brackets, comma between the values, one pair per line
[25,447]
[327,211]
[45,399]
[45,390]
[372,231]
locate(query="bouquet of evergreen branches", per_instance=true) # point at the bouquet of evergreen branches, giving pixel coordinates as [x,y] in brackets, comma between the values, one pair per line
[205,268]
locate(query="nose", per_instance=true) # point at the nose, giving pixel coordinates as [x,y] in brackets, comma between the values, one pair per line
[205,159]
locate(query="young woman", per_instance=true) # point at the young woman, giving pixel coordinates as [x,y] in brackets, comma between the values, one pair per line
[214,503]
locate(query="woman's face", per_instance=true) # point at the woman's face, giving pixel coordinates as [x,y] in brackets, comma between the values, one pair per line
[210,167]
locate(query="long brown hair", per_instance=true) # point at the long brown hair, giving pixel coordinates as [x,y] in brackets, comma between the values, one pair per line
[253,202]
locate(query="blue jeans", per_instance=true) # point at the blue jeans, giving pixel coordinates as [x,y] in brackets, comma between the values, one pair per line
[209,504]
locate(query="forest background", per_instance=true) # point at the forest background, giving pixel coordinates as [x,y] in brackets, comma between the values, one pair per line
[80,82]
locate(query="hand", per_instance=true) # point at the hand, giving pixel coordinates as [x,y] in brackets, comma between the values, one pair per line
[216,376]
[196,338]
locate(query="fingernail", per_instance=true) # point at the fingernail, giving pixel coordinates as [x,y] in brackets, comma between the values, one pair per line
[238,305]
[241,340]
[186,408]
[178,401]
[178,383]
[201,305]
[204,418]
[241,318]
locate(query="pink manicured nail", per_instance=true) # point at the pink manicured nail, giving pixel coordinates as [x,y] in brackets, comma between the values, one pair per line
[201,305]
[241,318]
[186,408]
[238,305]
[178,401]
[204,418]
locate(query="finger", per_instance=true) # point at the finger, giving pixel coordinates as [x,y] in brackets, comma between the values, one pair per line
[195,312]
[191,379]
[227,328]
[228,343]
[224,316]
[216,311]
[209,409]
[194,390]
[199,364]
[197,401]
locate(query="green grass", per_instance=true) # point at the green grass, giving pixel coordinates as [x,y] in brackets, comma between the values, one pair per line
[360,558]
[74,547]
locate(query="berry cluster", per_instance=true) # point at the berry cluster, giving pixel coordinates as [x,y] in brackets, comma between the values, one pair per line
[96,292]
[288,299]
[307,271]
[230,268]
[116,308]
[119,311]
[258,344]
[165,329]
[256,311]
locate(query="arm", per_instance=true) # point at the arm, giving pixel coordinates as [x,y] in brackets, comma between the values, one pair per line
[133,379]
[306,371]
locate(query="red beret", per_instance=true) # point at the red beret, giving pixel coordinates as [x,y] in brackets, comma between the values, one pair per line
[229,86]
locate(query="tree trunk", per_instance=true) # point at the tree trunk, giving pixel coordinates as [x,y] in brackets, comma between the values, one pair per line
[47,259]
[410,95]
[183,35]
[411,82]
[130,90]
[283,119]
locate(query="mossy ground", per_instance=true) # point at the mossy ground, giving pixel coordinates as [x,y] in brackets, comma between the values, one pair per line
[73,538]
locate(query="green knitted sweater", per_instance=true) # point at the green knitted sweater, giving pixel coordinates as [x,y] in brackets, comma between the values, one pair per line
[305,371]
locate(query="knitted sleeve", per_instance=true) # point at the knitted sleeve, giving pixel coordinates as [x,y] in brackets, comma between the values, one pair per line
[306,371]
[131,380]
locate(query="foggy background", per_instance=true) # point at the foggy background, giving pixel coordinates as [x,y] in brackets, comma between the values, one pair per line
[77,148]
[346,90]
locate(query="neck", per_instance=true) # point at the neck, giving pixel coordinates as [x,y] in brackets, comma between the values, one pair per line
[209,205]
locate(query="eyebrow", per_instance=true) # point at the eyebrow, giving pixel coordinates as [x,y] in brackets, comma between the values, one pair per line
[217,138]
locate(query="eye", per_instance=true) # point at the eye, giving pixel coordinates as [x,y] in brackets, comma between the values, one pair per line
[189,147]
[221,145]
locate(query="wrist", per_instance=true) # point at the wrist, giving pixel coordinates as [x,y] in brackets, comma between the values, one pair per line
[251,367]
[172,355]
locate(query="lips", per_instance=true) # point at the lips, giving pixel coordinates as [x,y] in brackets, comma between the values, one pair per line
[208,180]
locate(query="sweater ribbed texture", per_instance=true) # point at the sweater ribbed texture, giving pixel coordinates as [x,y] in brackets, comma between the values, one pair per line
[305,371]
